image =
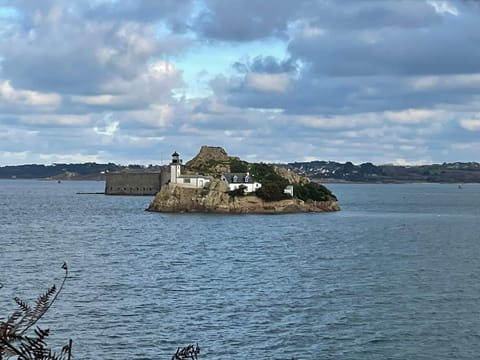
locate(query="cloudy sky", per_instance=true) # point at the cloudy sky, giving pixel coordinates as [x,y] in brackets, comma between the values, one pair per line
[130,81]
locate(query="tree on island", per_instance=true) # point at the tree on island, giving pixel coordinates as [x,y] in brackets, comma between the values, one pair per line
[273,186]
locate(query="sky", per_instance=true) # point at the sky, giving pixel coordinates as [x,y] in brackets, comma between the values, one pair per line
[131,81]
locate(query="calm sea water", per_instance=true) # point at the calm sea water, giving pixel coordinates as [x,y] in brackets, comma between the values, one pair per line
[395,275]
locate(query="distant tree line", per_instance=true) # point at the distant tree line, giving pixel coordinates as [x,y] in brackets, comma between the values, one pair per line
[368,172]
[33,171]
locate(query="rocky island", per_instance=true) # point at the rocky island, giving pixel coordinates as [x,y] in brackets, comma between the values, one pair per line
[214,182]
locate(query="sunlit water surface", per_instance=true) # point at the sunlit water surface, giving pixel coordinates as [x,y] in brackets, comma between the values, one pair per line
[395,275]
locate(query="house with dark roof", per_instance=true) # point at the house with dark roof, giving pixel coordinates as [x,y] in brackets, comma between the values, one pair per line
[237,180]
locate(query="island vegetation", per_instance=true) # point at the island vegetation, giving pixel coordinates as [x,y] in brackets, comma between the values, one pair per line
[271,196]
[215,161]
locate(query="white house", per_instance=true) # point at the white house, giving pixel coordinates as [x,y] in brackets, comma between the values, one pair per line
[176,177]
[235,180]
[288,190]
[195,181]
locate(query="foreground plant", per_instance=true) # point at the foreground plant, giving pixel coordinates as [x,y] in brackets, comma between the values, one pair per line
[187,352]
[17,341]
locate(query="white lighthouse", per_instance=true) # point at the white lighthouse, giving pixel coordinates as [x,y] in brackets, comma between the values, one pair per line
[175,168]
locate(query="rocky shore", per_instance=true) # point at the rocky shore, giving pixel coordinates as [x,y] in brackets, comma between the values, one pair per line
[214,198]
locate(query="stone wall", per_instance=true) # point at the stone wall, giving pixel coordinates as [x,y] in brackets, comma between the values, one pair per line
[133,183]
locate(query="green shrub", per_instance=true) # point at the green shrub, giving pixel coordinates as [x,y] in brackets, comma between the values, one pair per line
[266,173]
[313,191]
[238,192]
[273,184]
[272,191]
[238,166]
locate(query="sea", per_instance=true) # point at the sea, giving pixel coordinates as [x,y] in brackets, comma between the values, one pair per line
[394,275]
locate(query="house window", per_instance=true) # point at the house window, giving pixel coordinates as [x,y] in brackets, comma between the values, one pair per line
[186,181]
[235,178]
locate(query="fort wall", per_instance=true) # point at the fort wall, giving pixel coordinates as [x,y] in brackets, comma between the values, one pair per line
[134,182]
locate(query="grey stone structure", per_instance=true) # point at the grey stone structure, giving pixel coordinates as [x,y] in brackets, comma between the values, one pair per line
[136,182]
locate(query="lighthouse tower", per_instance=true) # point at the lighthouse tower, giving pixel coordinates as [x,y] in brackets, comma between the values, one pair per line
[175,168]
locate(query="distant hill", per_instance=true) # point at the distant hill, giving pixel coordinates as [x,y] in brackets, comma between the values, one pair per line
[86,171]
[330,171]
[215,161]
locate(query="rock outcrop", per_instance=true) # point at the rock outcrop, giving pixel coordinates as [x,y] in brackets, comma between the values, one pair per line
[211,160]
[215,199]
[292,177]
[209,153]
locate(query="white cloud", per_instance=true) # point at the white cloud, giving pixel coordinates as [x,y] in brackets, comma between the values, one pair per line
[159,116]
[68,158]
[154,84]
[340,122]
[55,119]
[468,146]
[268,82]
[32,157]
[405,162]
[104,99]
[161,69]
[412,116]
[471,124]
[216,107]
[320,89]
[433,82]
[13,158]
[443,7]
[425,83]
[306,29]
[27,97]
[151,88]
[108,127]
[137,38]
[309,158]
[105,54]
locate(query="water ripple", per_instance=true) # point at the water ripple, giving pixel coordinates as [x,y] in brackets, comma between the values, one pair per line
[395,275]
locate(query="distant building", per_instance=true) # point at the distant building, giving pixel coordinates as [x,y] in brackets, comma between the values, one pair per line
[145,182]
[175,168]
[176,177]
[235,180]
[288,190]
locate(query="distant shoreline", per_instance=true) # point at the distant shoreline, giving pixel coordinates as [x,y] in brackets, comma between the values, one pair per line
[393,182]
[319,171]
[320,181]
